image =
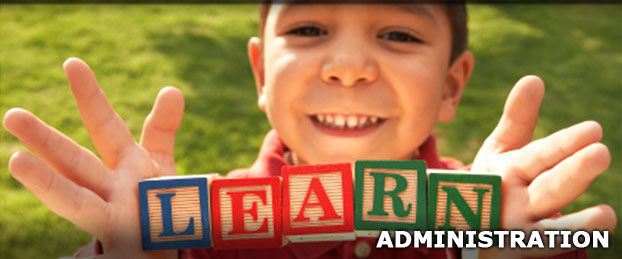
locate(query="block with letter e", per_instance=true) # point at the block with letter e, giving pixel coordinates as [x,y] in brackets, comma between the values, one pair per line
[174,212]
[246,213]
[461,200]
[317,202]
[389,195]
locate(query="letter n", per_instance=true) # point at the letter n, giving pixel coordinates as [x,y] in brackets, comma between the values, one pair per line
[464,200]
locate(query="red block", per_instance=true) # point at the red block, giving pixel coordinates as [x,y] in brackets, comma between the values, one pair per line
[246,213]
[318,202]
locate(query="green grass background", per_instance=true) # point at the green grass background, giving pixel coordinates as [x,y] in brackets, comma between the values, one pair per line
[137,49]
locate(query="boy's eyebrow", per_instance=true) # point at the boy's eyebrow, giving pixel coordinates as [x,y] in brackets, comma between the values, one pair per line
[416,9]
[419,10]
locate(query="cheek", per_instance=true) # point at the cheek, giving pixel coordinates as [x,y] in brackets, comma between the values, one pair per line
[418,83]
[287,75]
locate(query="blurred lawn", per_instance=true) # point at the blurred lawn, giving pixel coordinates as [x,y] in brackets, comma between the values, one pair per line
[137,49]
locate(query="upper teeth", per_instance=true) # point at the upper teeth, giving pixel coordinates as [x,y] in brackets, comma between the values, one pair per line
[346,121]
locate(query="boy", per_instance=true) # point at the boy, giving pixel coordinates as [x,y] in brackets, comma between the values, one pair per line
[338,83]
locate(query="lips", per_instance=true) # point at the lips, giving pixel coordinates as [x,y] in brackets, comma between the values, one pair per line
[346,121]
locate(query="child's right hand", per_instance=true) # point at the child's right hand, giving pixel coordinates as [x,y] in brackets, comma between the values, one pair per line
[99,196]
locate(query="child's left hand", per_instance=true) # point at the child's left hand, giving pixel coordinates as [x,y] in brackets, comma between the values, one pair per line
[541,177]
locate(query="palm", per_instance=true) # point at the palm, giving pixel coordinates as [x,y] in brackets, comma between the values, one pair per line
[515,192]
[99,196]
[124,222]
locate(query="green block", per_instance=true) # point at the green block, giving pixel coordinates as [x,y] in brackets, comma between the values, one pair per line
[471,201]
[390,195]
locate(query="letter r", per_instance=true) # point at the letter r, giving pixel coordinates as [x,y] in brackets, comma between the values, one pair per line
[379,192]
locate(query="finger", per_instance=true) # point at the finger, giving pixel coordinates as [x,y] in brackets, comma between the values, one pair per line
[76,163]
[520,114]
[77,204]
[601,217]
[545,153]
[109,133]
[554,189]
[158,136]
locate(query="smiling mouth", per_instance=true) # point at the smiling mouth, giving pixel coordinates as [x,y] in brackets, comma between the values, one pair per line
[347,122]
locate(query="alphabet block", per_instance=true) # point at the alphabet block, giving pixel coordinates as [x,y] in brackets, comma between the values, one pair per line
[247,213]
[318,202]
[389,195]
[174,212]
[460,200]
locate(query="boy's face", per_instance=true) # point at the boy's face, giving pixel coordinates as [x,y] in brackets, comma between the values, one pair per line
[346,82]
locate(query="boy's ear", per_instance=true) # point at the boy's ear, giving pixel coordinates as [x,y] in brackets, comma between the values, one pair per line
[255,56]
[457,77]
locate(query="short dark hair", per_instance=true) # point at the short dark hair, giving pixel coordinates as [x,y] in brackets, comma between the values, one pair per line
[456,13]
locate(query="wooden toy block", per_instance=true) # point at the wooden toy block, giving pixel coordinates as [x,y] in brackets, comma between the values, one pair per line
[318,202]
[389,195]
[174,212]
[246,213]
[461,200]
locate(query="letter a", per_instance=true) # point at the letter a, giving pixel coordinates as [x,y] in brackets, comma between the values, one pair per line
[323,201]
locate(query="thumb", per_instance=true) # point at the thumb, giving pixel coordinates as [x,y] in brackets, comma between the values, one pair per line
[158,136]
[520,115]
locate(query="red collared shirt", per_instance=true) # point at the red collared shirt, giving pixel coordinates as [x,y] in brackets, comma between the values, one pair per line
[269,162]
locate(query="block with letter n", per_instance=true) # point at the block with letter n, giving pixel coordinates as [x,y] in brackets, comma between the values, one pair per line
[246,213]
[317,202]
[174,212]
[389,195]
[461,200]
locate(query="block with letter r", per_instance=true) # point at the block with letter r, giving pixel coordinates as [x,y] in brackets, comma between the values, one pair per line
[389,195]
[174,212]
[461,200]
[246,213]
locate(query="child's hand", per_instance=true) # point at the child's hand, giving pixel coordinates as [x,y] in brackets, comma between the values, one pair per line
[541,177]
[99,196]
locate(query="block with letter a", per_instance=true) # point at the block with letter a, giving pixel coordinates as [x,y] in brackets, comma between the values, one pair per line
[246,213]
[317,202]
[174,212]
[389,195]
[461,200]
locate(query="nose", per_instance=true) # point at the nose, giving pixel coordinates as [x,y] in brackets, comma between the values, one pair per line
[348,65]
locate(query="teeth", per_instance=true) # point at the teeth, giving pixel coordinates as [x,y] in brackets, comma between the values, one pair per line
[340,121]
[346,121]
[320,117]
[329,119]
[352,121]
[362,121]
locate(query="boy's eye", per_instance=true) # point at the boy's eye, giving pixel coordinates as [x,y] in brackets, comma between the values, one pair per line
[307,31]
[399,37]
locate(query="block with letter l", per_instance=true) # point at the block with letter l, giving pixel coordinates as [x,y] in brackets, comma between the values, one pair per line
[461,200]
[174,212]
[318,202]
[246,213]
[389,195]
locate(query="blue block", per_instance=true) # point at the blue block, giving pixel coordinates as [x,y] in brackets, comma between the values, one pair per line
[174,212]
